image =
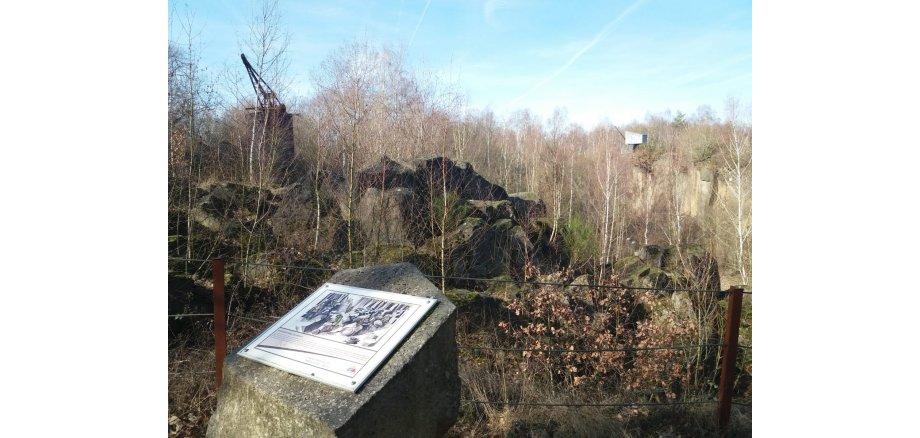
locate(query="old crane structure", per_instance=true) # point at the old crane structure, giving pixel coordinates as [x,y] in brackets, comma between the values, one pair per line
[271,149]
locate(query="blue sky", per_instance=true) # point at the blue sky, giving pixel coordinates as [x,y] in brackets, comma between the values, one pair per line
[618,60]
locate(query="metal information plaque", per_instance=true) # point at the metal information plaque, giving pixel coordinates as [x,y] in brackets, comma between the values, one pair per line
[340,334]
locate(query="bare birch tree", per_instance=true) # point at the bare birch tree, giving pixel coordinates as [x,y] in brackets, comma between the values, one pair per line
[608,177]
[555,162]
[191,101]
[268,42]
[735,152]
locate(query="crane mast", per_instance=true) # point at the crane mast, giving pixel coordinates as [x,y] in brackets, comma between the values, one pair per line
[264,93]
[271,147]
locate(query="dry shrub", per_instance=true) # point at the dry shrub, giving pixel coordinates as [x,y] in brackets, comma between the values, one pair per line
[493,376]
[571,320]
[601,319]
[192,399]
[192,394]
[504,380]
[665,369]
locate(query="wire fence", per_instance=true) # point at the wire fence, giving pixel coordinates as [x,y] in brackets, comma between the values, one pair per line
[270,319]
[486,280]
[273,319]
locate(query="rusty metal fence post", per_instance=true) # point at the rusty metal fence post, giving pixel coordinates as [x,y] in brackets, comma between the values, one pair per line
[220,321]
[729,355]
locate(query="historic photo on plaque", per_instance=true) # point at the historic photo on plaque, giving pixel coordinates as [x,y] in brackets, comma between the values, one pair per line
[340,334]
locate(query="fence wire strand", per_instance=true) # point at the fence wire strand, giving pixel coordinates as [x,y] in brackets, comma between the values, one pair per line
[590,286]
[599,350]
[183,259]
[253,319]
[306,268]
[491,402]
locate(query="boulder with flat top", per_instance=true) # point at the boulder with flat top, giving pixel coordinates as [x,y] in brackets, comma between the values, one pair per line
[416,392]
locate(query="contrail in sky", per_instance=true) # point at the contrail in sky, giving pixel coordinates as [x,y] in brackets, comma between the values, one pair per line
[399,23]
[600,35]
[419,23]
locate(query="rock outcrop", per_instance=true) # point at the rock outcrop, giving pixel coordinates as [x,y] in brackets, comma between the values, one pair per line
[459,178]
[684,266]
[389,217]
[398,205]
[527,205]
[488,233]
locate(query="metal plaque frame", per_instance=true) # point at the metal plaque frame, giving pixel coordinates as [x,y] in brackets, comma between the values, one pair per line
[339,335]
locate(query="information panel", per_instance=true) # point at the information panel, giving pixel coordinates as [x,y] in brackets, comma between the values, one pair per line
[340,334]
